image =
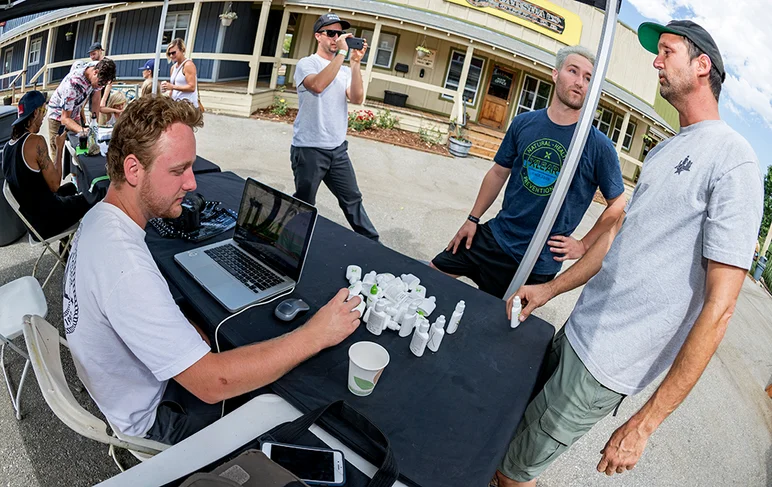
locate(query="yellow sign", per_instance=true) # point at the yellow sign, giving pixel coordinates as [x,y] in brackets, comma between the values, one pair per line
[539,15]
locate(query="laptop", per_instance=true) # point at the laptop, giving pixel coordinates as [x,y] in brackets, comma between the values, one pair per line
[264,258]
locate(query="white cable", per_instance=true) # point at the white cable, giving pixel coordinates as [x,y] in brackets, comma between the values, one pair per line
[253,305]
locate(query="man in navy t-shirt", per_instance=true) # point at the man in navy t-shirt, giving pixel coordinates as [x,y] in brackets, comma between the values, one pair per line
[533,152]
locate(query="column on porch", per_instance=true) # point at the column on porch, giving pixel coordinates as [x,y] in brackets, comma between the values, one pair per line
[622,132]
[458,99]
[49,55]
[26,64]
[194,17]
[254,64]
[279,47]
[371,59]
[106,31]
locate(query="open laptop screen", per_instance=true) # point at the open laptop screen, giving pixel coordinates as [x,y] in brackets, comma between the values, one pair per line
[275,228]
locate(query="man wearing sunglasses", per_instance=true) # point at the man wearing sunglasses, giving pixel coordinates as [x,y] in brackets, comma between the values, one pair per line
[319,149]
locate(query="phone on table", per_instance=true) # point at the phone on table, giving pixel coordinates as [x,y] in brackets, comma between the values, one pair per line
[355,42]
[317,466]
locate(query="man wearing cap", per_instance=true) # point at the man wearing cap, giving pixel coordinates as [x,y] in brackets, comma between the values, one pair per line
[95,52]
[80,84]
[147,73]
[659,296]
[34,179]
[319,150]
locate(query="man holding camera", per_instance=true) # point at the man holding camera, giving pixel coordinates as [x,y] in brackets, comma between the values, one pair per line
[319,150]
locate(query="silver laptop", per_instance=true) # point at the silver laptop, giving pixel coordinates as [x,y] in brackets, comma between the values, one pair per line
[264,258]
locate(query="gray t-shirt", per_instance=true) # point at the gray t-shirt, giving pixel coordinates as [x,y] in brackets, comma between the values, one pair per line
[699,198]
[322,118]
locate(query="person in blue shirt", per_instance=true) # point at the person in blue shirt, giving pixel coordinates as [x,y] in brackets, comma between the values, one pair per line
[530,157]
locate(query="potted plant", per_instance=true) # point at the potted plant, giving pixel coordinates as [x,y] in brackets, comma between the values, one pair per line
[68,36]
[422,51]
[228,17]
[458,144]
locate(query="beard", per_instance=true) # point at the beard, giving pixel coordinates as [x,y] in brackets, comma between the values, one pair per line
[156,206]
[567,97]
[673,87]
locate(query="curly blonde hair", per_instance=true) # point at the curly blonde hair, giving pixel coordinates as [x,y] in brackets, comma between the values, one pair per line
[139,128]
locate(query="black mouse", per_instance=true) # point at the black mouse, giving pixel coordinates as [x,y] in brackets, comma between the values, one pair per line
[288,309]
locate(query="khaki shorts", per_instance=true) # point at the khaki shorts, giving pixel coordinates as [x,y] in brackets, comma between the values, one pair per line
[570,403]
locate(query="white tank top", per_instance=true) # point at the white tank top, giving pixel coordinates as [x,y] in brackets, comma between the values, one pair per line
[178,78]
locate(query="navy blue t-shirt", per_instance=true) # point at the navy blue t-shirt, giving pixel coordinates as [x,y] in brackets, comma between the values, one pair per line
[535,148]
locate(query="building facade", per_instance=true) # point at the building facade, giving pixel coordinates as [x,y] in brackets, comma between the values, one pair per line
[478,61]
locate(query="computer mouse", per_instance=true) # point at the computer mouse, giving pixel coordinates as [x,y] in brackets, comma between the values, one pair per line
[288,309]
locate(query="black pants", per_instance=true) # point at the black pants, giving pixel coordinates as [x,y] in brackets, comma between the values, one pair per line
[181,414]
[70,207]
[311,166]
[485,263]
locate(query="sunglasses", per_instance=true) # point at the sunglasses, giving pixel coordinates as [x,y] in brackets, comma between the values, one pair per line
[172,53]
[332,33]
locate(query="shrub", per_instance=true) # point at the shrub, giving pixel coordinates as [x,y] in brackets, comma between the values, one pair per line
[431,135]
[386,120]
[279,106]
[360,120]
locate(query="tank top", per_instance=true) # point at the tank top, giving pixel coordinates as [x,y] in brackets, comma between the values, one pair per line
[178,78]
[36,200]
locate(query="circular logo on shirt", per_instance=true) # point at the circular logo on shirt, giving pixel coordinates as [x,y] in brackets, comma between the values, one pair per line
[542,160]
[70,299]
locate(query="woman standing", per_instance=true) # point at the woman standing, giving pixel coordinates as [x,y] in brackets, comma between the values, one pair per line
[183,83]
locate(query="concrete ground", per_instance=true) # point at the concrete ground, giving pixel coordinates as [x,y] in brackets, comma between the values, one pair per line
[721,435]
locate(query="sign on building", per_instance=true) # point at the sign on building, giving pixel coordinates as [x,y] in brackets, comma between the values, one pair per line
[539,15]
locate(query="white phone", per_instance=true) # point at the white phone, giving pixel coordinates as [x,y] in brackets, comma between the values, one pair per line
[317,466]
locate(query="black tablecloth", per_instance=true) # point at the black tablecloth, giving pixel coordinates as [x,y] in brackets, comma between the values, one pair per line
[450,415]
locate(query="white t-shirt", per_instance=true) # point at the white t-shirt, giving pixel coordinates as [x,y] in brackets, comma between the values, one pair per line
[322,119]
[126,334]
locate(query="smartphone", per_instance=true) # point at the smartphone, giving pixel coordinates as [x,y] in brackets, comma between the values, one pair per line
[62,128]
[355,42]
[318,466]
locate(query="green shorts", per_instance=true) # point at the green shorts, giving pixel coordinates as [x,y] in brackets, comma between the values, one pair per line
[570,403]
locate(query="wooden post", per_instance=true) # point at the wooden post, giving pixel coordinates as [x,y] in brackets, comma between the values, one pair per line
[765,247]
[194,18]
[621,139]
[48,56]
[106,31]
[280,47]
[26,64]
[459,103]
[254,65]
[373,49]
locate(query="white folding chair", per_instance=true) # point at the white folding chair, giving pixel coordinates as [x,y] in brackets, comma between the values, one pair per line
[18,298]
[43,343]
[46,243]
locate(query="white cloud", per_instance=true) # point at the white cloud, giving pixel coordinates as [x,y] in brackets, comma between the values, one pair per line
[742,34]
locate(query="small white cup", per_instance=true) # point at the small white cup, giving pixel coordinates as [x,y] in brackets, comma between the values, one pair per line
[366,363]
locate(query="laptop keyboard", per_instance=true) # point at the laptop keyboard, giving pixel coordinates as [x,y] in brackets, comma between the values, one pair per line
[246,270]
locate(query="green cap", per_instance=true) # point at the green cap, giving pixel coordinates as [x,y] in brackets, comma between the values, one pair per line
[649,32]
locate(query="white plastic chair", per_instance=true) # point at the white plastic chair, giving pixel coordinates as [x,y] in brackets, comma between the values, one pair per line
[67,234]
[18,298]
[43,342]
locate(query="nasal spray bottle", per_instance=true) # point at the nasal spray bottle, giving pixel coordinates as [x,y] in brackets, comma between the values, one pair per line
[517,308]
[353,273]
[455,318]
[409,320]
[420,338]
[377,319]
[369,279]
[373,295]
[437,333]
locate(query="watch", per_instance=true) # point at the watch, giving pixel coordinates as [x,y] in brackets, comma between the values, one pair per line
[473,219]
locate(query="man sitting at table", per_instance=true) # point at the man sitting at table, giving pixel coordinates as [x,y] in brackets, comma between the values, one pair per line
[35,180]
[127,336]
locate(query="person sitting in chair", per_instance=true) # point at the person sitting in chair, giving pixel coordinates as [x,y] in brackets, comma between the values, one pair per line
[35,180]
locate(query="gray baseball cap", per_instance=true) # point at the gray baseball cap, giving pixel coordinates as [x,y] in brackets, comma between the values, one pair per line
[329,19]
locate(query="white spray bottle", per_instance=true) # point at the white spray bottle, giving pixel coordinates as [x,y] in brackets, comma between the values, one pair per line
[377,319]
[455,318]
[409,321]
[517,308]
[420,339]
[436,334]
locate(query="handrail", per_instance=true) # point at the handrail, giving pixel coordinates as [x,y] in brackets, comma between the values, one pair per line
[8,75]
[37,75]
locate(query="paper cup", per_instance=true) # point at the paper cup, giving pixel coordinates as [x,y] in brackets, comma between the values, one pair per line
[366,363]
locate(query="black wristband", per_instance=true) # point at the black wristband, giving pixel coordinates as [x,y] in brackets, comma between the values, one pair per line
[473,219]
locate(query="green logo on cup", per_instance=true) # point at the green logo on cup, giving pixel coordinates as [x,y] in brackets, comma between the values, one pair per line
[365,385]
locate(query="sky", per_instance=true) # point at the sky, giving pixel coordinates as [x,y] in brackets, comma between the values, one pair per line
[741,30]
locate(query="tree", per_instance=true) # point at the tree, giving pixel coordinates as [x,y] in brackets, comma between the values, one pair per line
[767,218]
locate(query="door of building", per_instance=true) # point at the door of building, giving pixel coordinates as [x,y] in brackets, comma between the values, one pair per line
[496,104]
